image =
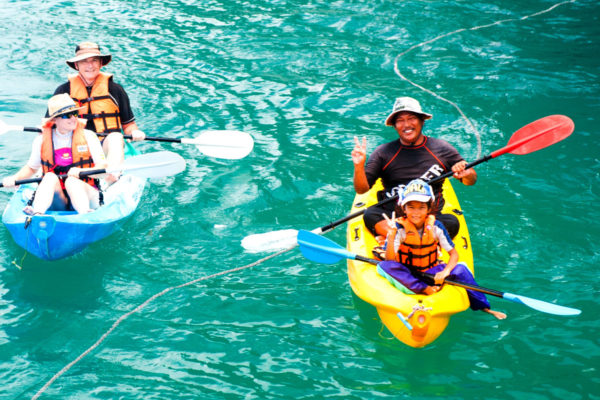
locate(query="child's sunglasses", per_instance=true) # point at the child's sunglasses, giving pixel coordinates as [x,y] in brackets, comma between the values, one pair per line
[69,115]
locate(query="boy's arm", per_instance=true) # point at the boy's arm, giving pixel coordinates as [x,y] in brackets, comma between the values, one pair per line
[446,244]
[390,254]
[443,274]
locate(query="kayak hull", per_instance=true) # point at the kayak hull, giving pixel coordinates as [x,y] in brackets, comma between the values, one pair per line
[58,235]
[427,316]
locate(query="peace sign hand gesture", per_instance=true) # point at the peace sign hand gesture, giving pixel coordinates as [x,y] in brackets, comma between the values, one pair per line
[359,153]
[391,223]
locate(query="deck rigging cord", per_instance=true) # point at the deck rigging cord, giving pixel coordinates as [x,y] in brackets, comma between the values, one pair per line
[141,306]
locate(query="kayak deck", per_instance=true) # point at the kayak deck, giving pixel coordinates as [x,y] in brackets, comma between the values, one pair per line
[428,315]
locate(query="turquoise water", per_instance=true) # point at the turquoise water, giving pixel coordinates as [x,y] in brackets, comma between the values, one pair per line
[303,78]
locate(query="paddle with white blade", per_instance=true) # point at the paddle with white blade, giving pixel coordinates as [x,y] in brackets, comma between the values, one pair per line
[226,144]
[320,249]
[532,137]
[149,165]
[4,128]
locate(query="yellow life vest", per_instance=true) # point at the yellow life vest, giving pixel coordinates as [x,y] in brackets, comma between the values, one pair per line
[416,251]
[101,106]
[80,152]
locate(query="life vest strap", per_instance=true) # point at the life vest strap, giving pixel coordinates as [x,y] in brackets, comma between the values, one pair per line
[101,115]
[416,246]
[92,98]
[412,255]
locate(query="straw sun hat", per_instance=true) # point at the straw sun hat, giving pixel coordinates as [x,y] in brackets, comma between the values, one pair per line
[58,105]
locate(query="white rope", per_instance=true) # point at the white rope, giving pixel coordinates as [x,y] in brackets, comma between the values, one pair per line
[468,121]
[143,305]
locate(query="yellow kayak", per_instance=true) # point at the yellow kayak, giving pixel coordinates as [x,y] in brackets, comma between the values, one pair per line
[428,316]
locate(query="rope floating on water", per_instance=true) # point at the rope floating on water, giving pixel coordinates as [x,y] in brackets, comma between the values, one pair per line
[142,306]
[453,104]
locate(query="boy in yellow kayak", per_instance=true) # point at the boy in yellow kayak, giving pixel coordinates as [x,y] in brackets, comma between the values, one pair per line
[412,245]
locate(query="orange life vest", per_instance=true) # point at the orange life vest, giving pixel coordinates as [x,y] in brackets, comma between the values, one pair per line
[80,151]
[101,106]
[416,251]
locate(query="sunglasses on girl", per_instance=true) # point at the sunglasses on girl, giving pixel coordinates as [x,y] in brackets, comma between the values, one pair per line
[69,115]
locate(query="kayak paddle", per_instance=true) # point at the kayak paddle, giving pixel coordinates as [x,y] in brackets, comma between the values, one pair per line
[320,249]
[149,165]
[532,137]
[227,144]
[17,128]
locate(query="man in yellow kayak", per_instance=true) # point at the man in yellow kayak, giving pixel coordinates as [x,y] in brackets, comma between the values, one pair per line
[412,245]
[105,104]
[413,155]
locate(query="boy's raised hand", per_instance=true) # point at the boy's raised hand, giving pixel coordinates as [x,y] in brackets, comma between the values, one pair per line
[391,222]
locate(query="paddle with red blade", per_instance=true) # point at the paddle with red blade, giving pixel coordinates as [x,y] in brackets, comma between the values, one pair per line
[532,137]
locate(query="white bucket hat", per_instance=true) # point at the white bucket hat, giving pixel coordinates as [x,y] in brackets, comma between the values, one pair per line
[86,50]
[407,104]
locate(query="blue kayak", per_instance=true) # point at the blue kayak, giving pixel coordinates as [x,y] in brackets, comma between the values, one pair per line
[60,234]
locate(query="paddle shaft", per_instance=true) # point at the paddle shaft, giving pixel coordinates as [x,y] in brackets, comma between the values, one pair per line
[492,292]
[152,139]
[82,174]
[155,139]
[448,174]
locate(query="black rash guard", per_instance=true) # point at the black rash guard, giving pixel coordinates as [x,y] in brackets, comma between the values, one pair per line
[397,165]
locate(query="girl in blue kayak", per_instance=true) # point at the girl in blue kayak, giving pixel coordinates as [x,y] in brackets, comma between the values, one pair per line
[64,147]
[412,247]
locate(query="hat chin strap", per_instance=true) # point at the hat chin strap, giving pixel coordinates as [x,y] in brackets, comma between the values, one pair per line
[85,82]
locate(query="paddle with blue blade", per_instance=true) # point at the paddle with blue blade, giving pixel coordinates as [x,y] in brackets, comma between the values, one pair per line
[158,164]
[226,144]
[532,137]
[320,249]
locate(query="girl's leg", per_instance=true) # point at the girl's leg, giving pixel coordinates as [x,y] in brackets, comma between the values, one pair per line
[83,196]
[113,148]
[49,193]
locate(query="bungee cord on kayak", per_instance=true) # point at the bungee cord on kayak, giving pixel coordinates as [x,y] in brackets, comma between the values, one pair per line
[453,104]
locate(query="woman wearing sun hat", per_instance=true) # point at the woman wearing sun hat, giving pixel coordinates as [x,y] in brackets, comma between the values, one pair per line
[411,156]
[63,147]
[104,104]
